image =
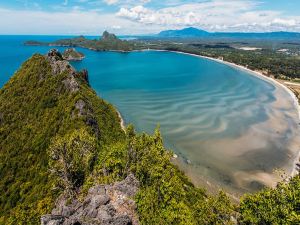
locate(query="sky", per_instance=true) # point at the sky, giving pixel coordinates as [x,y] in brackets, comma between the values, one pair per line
[130,17]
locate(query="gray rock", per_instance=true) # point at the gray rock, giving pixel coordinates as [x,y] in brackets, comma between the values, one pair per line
[80,105]
[122,220]
[103,205]
[109,209]
[71,84]
[129,186]
[98,200]
[90,212]
[103,215]
[52,220]
[57,63]
[98,189]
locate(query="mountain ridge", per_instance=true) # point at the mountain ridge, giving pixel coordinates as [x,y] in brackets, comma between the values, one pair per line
[192,32]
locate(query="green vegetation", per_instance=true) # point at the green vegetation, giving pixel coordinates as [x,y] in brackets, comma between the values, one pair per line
[278,206]
[37,109]
[55,138]
[166,196]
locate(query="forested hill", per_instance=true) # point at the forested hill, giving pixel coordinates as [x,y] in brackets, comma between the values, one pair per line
[64,159]
[45,100]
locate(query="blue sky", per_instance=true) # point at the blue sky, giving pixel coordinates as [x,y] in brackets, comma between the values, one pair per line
[146,16]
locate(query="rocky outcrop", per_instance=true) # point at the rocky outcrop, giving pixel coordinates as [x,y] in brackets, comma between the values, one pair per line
[103,205]
[71,83]
[106,36]
[58,64]
[71,54]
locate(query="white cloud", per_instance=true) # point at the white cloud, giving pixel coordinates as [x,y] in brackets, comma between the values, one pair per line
[116,27]
[111,2]
[213,15]
[73,22]
[126,2]
[216,15]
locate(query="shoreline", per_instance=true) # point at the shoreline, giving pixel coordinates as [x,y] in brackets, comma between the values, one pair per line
[263,77]
[122,122]
[257,74]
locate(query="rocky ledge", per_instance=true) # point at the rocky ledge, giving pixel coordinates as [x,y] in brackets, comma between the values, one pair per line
[60,65]
[103,205]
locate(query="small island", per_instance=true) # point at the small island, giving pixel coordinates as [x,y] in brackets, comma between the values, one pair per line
[107,42]
[71,54]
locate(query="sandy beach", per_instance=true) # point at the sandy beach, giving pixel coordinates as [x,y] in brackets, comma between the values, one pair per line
[273,125]
[260,76]
[122,123]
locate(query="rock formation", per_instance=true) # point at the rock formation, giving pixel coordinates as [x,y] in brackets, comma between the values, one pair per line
[103,205]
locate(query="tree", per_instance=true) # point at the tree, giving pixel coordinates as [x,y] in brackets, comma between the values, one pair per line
[71,159]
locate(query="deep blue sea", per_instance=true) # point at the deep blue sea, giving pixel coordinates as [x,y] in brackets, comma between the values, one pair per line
[229,128]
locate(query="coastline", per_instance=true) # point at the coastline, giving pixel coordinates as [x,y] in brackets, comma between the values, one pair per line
[259,75]
[277,84]
[122,122]
[267,79]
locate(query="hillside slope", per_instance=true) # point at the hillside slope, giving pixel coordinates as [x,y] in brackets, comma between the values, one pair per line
[45,99]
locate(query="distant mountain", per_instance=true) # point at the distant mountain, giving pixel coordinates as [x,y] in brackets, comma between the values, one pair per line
[106,36]
[192,32]
[186,32]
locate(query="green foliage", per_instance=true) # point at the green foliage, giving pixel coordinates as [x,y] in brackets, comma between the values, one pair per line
[273,206]
[166,196]
[71,159]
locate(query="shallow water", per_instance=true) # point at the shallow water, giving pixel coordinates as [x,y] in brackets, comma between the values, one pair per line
[229,128]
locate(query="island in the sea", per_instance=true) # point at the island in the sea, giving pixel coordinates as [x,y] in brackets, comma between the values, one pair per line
[71,54]
[107,42]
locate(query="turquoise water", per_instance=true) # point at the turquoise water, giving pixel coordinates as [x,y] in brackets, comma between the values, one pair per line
[230,129]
